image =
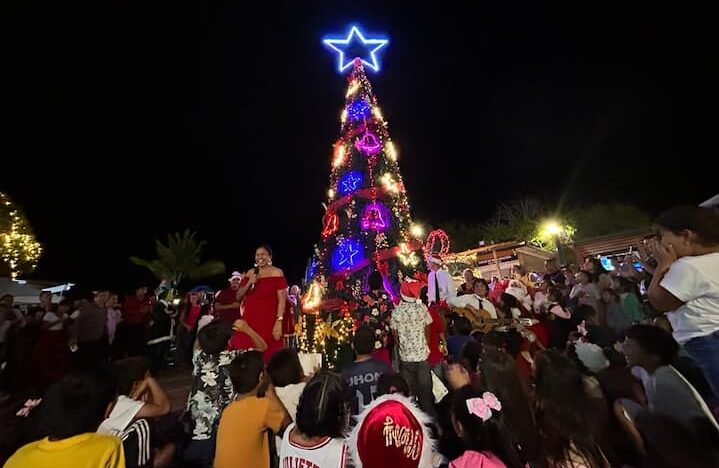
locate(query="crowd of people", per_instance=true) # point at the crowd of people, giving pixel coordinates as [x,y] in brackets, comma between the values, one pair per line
[575,366]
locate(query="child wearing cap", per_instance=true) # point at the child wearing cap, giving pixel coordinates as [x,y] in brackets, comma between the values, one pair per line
[410,324]
[393,432]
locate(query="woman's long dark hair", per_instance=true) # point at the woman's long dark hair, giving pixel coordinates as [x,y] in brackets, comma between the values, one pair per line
[492,435]
[565,414]
[498,374]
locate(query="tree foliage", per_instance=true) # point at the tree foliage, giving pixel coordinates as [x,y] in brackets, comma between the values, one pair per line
[180,258]
[19,250]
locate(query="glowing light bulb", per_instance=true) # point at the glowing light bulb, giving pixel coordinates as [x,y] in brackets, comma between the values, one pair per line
[353,87]
[343,116]
[416,230]
[391,150]
[339,156]
[377,113]
[389,183]
[331,193]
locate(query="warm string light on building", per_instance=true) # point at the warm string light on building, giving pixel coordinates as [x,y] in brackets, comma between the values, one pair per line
[18,248]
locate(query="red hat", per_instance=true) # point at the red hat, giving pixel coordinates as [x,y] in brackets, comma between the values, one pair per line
[409,289]
[392,431]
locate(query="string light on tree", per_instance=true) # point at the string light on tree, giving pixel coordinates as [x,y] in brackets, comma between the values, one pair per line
[389,183]
[390,150]
[377,113]
[18,248]
[339,157]
[353,87]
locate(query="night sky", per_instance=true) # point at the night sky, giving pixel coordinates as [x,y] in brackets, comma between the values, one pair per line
[123,121]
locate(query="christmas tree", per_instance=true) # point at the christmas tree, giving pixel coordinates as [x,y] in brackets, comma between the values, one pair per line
[367,224]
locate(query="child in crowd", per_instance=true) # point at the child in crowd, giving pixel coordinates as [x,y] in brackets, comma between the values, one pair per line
[566,416]
[242,438]
[69,416]
[410,324]
[631,305]
[317,436]
[363,374]
[651,352]
[462,330]
[613,313]
[479,421]
[211,389]
[393,432]
[140,398]
[390,383]
[288,378]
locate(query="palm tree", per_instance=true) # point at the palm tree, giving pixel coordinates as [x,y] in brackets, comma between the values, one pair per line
[180,259]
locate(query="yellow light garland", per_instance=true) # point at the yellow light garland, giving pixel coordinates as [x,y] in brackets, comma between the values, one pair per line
[18,247]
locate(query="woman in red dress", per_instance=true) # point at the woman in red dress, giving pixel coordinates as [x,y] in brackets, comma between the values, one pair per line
[264,299]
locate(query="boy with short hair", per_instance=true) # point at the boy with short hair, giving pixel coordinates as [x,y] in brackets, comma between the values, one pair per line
[242,438]
[363,374]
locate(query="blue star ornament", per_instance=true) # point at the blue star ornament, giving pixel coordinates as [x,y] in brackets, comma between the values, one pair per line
[356,46]
[348,252]
[351,183]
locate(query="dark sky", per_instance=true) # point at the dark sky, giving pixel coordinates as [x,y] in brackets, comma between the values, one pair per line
[122,121]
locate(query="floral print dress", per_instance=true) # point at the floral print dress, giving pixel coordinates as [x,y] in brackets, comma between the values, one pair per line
[211,391]
[375,311]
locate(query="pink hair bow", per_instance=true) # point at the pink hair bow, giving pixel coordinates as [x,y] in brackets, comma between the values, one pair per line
[482,407]
[29,406]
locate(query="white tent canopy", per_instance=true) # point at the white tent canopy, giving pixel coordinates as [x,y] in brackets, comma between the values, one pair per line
[25,293]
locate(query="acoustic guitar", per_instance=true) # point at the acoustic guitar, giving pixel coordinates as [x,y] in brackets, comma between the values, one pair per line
[482,321]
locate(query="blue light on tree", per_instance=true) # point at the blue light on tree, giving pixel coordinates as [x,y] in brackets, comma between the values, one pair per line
[355,45]
[347,254]
[350,182]
[359,110]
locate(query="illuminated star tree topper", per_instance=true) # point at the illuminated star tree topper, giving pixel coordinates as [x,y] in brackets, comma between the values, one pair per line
[356,47]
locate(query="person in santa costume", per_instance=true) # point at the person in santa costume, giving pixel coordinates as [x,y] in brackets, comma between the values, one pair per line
[392,431]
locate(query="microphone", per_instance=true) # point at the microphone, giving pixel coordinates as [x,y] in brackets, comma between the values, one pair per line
[257,272]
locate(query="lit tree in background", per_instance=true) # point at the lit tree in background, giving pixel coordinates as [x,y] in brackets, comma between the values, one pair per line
[366,225]
[19,250]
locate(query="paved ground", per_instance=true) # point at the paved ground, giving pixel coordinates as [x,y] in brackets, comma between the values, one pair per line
[176,383]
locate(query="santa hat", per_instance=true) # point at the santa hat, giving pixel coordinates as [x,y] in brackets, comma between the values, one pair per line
[392,431]
[409,290]
[236,275]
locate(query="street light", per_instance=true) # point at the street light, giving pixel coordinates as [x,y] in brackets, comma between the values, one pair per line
[552,230]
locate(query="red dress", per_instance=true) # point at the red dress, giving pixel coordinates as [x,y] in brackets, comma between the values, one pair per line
[260,312]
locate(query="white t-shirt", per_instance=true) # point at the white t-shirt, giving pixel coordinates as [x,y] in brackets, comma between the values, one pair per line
[52,317]
[121,415]
[694,281]
[289,395]
[328,453]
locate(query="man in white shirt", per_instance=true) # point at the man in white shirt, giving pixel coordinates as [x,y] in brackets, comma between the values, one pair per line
[440,287]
